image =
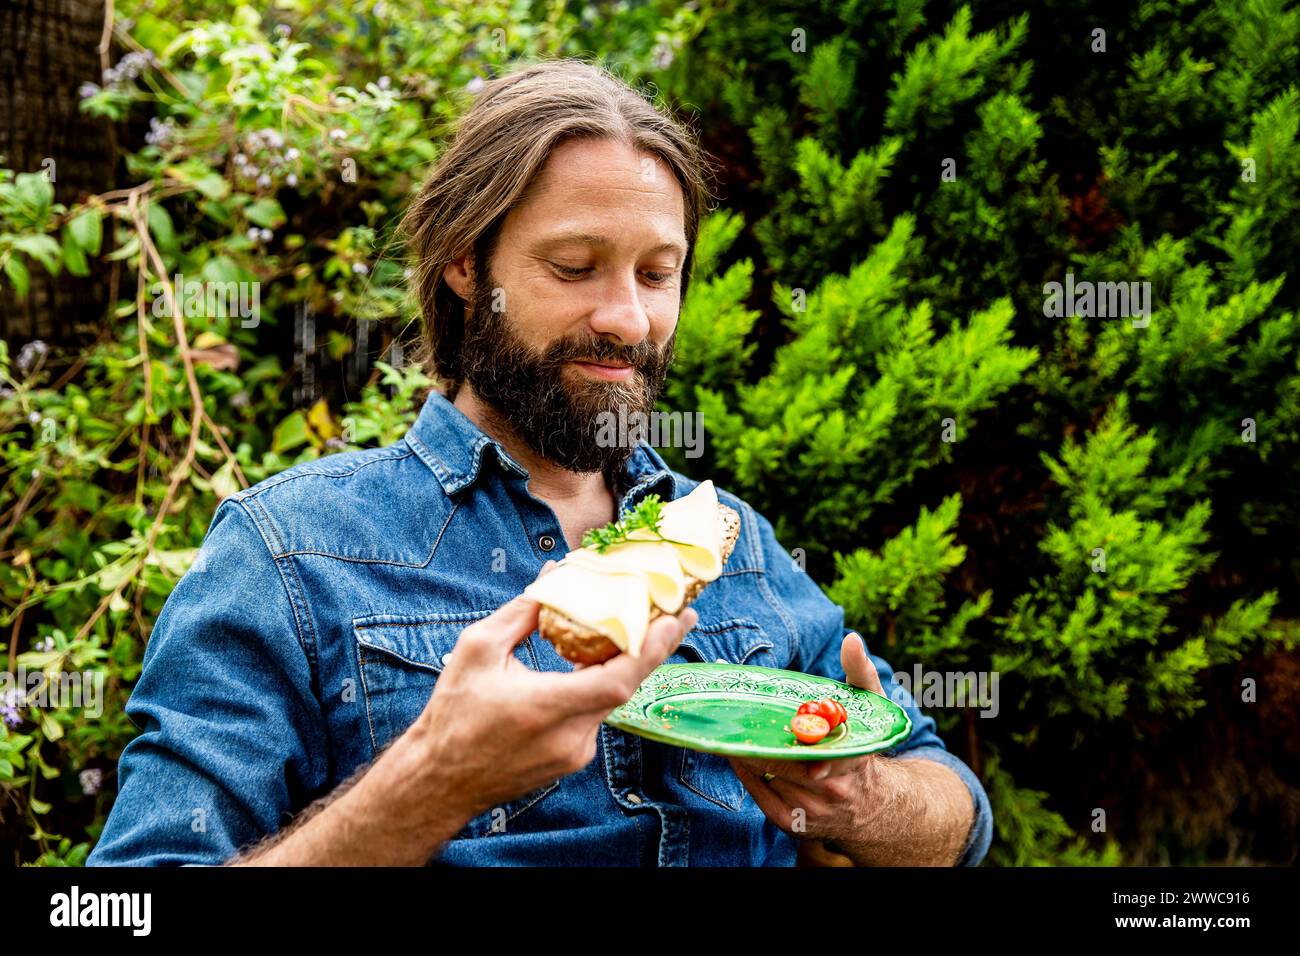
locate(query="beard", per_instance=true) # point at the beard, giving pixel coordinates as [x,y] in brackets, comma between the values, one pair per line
[560,413]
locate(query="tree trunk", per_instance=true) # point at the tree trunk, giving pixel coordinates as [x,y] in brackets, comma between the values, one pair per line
[48,48]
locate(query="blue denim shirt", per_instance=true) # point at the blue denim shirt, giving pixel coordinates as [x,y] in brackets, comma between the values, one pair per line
[314,624]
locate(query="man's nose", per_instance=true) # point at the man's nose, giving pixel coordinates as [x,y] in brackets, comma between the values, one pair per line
[619,310]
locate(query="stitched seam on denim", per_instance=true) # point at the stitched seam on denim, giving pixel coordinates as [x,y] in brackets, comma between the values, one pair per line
[380,454]
[747,516]
[247,506]
[682,769]
[365,689]
[423,665]
[621,802]
[728,624]
[426,623]
[537,798]
[431,461]
[384,561]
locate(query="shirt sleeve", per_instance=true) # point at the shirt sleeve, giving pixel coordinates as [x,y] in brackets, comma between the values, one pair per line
[231,734]
[818,623]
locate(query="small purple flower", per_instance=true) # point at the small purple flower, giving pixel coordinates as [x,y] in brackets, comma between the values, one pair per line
[291,153]
[264,180]
[92,778]
[475,85]
[384,83]
[30,353]
[265,235]
[10,701]
[283,29]
[252,234]
[338,135]
[335,443]
[87,90]
[360,268]
[159,131]
[291,180]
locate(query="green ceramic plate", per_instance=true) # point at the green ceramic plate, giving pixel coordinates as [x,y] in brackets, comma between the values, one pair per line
[742,711]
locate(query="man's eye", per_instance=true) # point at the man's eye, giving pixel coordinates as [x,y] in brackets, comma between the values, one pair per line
[571,272]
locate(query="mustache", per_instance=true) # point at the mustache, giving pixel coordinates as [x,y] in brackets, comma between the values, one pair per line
[644,354]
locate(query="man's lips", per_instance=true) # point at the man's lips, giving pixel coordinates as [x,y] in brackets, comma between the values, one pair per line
[612,372]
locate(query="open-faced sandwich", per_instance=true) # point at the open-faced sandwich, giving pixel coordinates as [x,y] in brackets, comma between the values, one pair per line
[655,559]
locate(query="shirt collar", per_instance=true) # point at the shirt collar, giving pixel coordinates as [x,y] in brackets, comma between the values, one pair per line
[454,448]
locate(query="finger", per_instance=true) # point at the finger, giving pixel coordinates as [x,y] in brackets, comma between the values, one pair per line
[858,669]
[599,688]
[495,636]
[795,771]
[549,565]
[768,800]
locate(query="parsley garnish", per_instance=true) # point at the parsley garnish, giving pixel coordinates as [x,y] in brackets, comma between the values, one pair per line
[647,514]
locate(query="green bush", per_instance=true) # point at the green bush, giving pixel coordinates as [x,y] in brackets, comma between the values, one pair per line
[1097,510]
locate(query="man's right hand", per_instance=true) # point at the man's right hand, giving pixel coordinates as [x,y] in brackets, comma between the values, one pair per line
[495,730]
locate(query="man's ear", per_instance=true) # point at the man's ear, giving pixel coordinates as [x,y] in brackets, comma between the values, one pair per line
[460,275]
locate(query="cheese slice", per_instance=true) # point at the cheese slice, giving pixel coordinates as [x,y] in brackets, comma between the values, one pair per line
[612,591]
[692,520]
[657,560]
[615,603]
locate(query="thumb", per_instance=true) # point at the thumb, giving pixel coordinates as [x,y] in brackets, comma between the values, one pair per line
[858,669]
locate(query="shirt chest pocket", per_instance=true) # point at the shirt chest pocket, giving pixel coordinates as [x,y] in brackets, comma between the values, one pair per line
[400,658]
[734,640]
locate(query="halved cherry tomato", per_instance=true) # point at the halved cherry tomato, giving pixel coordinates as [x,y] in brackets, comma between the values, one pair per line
[809,728]
[841,715]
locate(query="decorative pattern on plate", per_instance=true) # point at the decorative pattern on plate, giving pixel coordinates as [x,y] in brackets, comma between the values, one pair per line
[744,711]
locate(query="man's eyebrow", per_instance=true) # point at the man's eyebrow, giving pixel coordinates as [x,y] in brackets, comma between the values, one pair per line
[594,239]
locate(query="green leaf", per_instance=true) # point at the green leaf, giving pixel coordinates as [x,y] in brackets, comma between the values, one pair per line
[52,729]
[88,230]
[73,256]
[18,275]
[290,433]
[160,227]
[265,212]
[41,248]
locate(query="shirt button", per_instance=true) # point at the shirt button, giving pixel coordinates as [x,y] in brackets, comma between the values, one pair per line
[546,542]
[633,798]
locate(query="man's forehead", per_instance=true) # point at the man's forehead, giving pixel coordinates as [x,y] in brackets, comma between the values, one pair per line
[566,237]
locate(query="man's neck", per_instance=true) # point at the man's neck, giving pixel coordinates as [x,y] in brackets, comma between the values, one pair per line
[546,479]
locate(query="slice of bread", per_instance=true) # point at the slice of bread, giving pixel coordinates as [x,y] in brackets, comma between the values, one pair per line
[583,645]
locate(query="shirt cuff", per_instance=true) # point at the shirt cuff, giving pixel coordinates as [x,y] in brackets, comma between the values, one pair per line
[981,829]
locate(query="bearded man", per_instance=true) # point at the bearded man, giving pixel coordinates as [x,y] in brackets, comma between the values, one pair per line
[352,675]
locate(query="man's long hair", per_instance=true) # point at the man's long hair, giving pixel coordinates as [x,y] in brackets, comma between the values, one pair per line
[499,147]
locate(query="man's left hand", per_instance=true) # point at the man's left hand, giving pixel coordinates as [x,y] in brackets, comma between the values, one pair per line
[829,799]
